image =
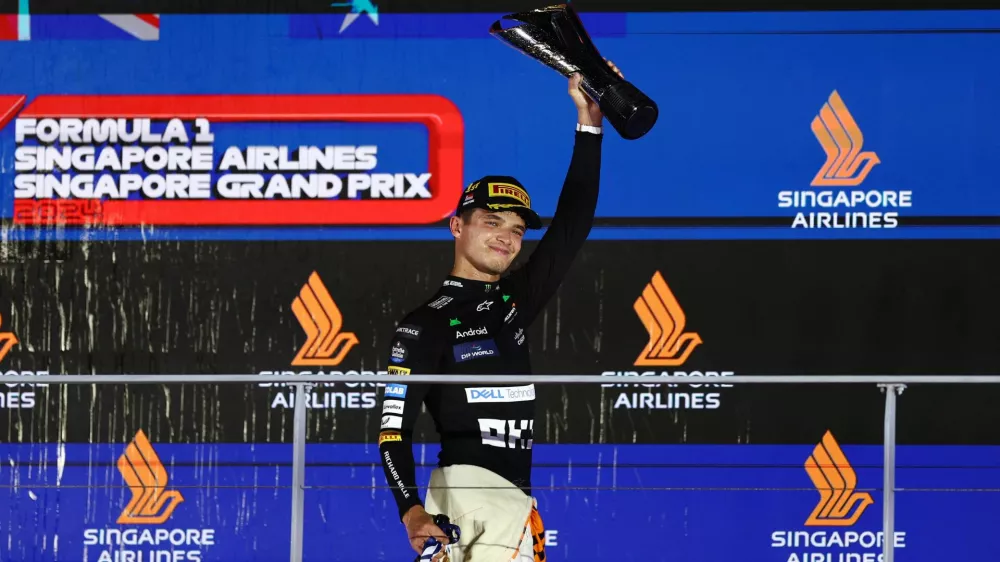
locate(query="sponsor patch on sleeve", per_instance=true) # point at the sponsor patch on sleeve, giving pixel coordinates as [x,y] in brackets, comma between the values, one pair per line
[399,352]
[393,407]
[391,422]
[408,331]
[395,390]
[389,436]
[398,370]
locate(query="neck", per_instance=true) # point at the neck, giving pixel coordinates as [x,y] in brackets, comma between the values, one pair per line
[465,270]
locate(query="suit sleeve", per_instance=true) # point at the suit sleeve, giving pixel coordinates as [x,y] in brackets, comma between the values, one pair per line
[545,269]
[414,351]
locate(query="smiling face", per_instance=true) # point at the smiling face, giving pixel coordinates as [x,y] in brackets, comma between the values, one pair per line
[487,241]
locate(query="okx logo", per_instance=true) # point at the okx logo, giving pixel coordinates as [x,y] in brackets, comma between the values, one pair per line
[833,204]
[841,139]
[322,322]
[669,345]
[832,531]
[151,502]
[840,503]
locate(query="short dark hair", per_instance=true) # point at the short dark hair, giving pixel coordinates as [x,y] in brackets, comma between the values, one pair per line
[466,215]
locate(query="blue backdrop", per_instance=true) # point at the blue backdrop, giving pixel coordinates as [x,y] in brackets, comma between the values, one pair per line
[737,93]
[687,503]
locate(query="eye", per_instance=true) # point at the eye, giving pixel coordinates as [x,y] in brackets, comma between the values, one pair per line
[493,223]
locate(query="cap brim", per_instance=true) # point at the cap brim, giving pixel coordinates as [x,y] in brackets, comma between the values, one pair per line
[531,218]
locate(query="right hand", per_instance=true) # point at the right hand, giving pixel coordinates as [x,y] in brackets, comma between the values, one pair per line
[588,111]
[420,526]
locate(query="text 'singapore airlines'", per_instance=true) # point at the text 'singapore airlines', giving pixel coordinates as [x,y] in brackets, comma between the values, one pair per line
[66,160]
[840,506]
[846,166]
[669,344]
[326,344]
[143,533]
[233,160]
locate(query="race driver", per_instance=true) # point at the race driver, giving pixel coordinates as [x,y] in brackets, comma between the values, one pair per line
[476,323]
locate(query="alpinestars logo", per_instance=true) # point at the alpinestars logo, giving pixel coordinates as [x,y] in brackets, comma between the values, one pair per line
[668,344]
[846,165]
[840,504]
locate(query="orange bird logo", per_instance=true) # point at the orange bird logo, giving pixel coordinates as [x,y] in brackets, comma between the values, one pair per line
[836,482]
[322,321]
[841,139]
[7,341]
[151,502]
[664,319]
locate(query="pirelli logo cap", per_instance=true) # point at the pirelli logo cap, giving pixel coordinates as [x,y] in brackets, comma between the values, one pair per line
[499,193]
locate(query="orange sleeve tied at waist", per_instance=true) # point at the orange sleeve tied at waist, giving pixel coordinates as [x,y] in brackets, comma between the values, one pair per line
[537,535]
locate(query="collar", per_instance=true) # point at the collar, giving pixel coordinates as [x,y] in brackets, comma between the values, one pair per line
[462,286]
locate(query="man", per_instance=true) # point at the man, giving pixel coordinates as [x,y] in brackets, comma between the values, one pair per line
[476,323]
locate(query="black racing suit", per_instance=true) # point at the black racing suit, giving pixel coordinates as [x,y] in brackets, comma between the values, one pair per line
[478,327]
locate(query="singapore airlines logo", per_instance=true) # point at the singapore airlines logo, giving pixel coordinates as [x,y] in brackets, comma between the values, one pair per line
[151,503]
[322,321]
[840,504]
[7,341]
[665,321]
[841,139]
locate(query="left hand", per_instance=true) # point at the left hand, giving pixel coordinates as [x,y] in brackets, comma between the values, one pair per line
[588,112]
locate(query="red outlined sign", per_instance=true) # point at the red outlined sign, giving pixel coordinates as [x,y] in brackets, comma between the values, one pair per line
[445,158]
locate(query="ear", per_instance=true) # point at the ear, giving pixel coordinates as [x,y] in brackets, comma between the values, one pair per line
[455,225]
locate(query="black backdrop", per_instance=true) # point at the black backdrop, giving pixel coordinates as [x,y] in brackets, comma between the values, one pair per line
[760,307]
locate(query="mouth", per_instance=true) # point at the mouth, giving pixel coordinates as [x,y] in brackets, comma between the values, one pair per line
[502,251]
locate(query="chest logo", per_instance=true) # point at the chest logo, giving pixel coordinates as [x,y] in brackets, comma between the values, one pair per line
[510,315]
[480,331]
[485,305]
[477,395]
[519,336]
[475,350]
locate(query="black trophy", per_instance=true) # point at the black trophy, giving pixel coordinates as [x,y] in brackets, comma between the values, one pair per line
[555,36]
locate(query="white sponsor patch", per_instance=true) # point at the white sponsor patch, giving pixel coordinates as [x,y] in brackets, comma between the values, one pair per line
[392,422]
[440,303]
[393,407]
[500,394]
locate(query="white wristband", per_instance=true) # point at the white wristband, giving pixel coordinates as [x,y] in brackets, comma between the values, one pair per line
[589,129]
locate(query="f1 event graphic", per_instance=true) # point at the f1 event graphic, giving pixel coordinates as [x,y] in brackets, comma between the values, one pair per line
[206,160]
[145,501]
[371,122]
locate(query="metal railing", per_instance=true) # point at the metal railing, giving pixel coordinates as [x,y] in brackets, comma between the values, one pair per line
[891,385]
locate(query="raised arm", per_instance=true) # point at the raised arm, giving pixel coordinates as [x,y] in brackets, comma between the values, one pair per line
[547,266]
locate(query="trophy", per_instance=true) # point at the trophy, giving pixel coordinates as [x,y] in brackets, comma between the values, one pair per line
[555,36]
